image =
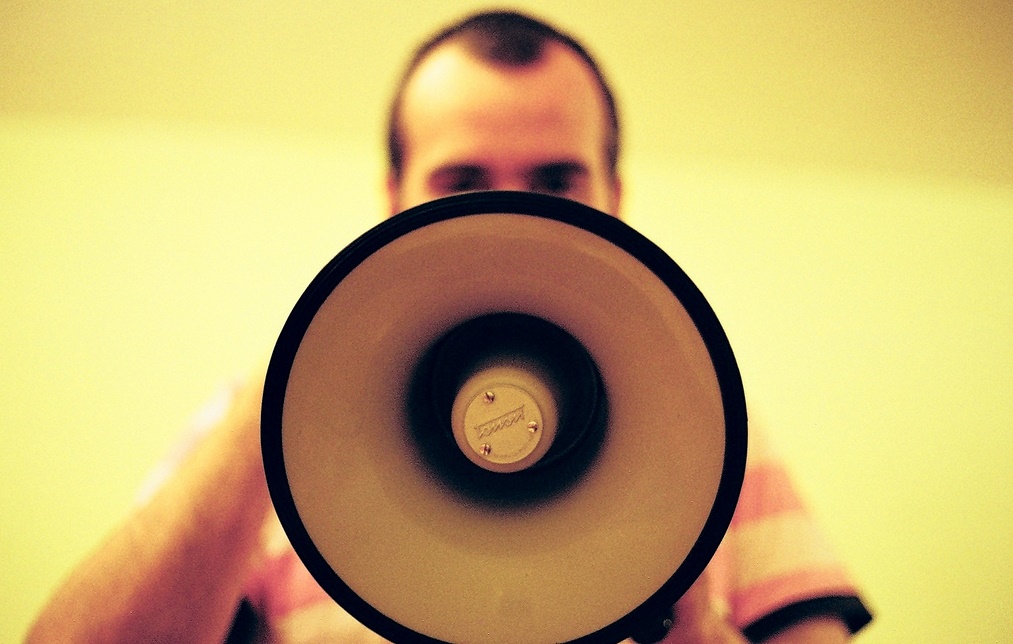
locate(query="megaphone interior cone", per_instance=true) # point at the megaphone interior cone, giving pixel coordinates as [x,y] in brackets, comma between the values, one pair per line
[415,558]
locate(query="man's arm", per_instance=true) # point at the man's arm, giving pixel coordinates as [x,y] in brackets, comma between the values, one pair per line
[697,621]
[174,571]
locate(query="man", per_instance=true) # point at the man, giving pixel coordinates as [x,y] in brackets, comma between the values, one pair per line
[497,102]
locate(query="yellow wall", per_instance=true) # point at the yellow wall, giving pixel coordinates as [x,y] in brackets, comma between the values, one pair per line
[837,177]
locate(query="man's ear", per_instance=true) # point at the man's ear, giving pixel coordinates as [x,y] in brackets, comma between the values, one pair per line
[615,205]
[393,194]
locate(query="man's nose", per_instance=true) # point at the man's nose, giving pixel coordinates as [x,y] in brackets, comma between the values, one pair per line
[512,183]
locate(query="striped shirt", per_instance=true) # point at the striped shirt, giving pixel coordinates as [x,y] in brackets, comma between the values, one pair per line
[773,568]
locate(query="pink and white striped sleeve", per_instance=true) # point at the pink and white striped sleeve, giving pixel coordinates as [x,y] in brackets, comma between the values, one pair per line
[775,567]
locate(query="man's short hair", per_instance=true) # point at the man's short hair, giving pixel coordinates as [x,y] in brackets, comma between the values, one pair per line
[501,38]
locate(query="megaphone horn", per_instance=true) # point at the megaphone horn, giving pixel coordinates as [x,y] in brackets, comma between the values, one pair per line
[504,417]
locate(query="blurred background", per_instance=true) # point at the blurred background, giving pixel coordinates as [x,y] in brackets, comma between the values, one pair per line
[837,177]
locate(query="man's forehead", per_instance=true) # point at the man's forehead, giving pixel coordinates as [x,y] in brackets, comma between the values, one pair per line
[452,89]
[451,71]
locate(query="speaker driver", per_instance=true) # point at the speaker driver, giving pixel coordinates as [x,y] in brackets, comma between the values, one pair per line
[507,409]
[504,417]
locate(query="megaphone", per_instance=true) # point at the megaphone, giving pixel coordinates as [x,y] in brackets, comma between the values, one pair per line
[504,417]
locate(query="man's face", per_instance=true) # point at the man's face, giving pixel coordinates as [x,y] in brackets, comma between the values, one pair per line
[469,126]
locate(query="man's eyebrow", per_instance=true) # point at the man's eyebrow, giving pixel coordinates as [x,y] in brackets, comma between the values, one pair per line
[456,172]
[457,169]
[440,177]
[561,167]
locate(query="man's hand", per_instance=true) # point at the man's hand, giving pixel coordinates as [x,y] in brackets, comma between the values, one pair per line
[699,621]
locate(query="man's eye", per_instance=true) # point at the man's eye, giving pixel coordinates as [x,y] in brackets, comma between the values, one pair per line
[557,184]
[457,180]
[556,180]
[464,184]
